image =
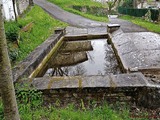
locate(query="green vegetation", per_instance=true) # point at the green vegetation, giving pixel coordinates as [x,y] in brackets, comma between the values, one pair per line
[1,110]
[41,27]
[139,21]
[69,113]
[11,30]
[31,108]
[68,6]
[30,105]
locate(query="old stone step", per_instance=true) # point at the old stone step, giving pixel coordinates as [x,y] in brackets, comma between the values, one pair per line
[133,80]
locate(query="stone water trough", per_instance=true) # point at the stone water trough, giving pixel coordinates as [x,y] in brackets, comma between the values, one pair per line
[59,67]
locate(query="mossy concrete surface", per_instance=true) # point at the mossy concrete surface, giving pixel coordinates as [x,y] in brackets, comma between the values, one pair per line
[28,65]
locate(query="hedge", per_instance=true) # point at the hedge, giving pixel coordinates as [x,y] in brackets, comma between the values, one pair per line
[139,12]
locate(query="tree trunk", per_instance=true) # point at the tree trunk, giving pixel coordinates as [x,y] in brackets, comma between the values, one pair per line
[142,2]
[6,80]
[17,4]
[14,9]
[134,3]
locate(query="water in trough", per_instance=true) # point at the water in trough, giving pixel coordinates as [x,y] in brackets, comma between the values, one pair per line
[89,57]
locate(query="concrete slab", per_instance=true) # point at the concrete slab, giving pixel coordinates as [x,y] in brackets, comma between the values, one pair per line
[137,50]
[73,31]
[109,81]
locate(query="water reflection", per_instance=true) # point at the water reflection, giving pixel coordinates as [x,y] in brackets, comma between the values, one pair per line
[66,71]
[67,59]
[97,59]
[111,65]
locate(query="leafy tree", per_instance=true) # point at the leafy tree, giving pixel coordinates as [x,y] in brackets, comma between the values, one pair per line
[113,3]
[128,4]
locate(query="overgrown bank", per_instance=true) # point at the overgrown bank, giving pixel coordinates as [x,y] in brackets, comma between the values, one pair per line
[29,32]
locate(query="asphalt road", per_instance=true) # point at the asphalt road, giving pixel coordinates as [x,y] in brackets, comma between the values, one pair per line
[79,21]
[70,18]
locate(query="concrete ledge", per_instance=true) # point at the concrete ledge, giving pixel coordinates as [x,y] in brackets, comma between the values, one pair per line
[134,80]
[112,27]
[85,37]
[112,16]
[27,66]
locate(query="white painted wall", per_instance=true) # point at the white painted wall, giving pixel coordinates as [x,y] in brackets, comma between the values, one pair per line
[8,10]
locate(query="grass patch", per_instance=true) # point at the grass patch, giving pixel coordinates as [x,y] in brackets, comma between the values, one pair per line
[70,113]
[67,5]
[139,21]
[43,26]
[29,112]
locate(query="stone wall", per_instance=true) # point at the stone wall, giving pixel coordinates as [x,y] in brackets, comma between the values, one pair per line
[144,97]
[86,96]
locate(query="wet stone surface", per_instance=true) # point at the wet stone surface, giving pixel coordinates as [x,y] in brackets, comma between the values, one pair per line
[138,50]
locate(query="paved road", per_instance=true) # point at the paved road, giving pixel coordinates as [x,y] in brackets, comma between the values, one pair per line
[79,21]
[127,26]
[72,19]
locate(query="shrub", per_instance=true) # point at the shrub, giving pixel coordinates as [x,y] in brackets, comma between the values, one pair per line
[13,54]
[28,95]
[139,12]
[11,31]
